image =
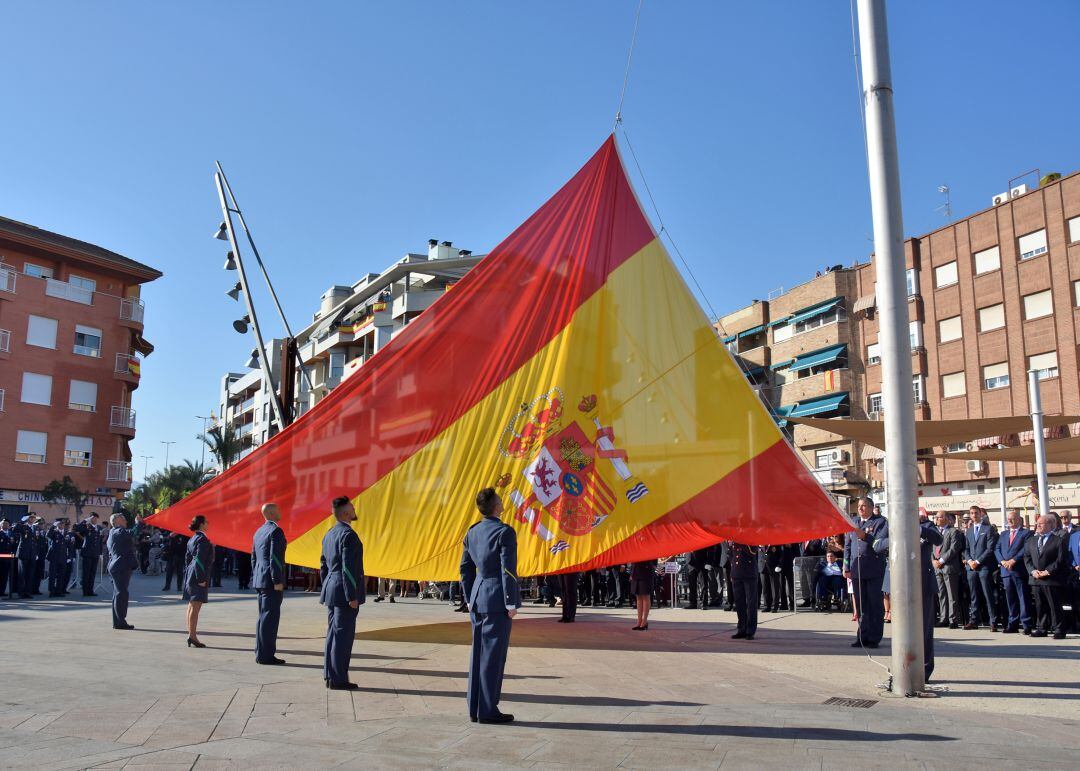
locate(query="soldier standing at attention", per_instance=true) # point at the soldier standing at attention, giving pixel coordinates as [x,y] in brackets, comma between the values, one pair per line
[268,569]
[489,580]
[91,553]
[744,584]
[342,571]
[57,557]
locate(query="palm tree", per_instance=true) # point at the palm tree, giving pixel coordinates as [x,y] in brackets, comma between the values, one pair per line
[224,443]
[162,489]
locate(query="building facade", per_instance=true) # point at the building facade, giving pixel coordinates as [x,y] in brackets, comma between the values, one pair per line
[352,324]
[989,297]
[71,350]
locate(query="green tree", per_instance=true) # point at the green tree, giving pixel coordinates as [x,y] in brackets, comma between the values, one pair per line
[224,443]
[65,493]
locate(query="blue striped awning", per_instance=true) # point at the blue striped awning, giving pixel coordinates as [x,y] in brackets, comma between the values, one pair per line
[752,331]
[816,358]
[754,371]
[729,339]
[779,322]
[816,310]
[819,406]
[781,413]
[782,364]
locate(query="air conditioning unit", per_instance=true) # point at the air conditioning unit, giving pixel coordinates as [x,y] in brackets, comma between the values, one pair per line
[975,466]
[1017,191]
[1001,198]
[839,457]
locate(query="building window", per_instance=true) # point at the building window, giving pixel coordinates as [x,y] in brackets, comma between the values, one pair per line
[38,271]
[83,283]
[782,333]
[337,365]
[991,317]
[950,329]
[873,353]
[873,404]
[41,331]
[956,447]
[912,282]
[953,384]
[996,376]
[945,275]
[832,317]
[30,446]
[1076,293]
[1045,364]
[1074,230]
[87,341]
[37,389]
[78,451]
[987,260]
[1038,305]
[915,334]
[1032,245]
[83,396]
[917,387]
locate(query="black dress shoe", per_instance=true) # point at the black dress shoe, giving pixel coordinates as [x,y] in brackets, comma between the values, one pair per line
[124,626]
[738,635]
[856,644]
[1059,635]
[472,718]
[562,620]
[954,626]
[502,717]
[1009,630]
[343,686]
[1027,631]
[1038,633]
[729,607]
[749,637]
[970,626]
[272,662]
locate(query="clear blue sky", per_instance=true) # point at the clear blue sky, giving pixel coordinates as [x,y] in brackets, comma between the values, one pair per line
[353,132]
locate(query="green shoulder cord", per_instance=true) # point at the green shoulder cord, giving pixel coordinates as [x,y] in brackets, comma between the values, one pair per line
[348,574]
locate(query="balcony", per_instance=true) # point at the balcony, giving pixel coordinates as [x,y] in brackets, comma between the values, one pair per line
[131,312]
[70,292]
[5,343]
[7,283]
[246,429]
[247,404]
[118,471]
[128,368]
[122,421]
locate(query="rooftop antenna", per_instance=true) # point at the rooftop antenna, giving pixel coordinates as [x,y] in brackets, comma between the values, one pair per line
[945,208]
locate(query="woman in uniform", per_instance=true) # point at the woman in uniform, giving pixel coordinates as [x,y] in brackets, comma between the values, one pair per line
[200,560]
[642,576]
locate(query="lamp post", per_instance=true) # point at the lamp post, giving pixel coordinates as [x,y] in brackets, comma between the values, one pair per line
[167,444]
[146,466]
[203,418]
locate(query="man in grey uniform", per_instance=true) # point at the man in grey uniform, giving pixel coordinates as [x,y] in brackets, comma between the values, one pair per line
[489,580]
[268,578]
[122,561]
[342,568]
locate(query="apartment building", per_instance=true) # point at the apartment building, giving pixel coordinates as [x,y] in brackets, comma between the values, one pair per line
[989,297]
[352,324]
[71,350]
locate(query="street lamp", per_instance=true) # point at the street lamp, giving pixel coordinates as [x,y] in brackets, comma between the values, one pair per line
[167,444]
[204,418]
[146,465]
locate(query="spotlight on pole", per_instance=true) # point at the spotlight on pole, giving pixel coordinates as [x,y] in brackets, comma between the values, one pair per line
[234,293]
[230,262]
[241,325]
[253,360]
[222,233]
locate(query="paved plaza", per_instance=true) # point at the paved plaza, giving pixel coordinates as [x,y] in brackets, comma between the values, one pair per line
[76,694]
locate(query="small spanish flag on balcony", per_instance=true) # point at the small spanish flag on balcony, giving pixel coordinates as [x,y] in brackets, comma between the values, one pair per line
[134,366]
[573,371]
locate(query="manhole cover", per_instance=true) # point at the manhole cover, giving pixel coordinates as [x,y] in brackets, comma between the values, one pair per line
[836,701]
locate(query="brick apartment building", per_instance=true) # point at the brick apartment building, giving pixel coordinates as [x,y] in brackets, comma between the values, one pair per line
[989,297]
[71,348]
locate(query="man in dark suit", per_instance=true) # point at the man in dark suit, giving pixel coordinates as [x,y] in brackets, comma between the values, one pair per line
[342,568]
[1014,576]
[948,567]
[865,552]
[56,554]
[175,549]
[26,554]
[489,579]
[815,547]
[1047,559]
[90,551]
[122,561]
[1073,583]
[744,584]
[697,577]
[268,576]
[980,542]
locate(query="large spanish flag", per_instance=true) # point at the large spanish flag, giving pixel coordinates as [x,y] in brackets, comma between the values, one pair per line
[572,370]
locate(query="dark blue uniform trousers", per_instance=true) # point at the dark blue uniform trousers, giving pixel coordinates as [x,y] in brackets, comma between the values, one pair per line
[57,574]
[871,609]
[26,577]
[746,604]
[928,619]
[340,633]
[267,627]
[89,573]
[121,578]
[490,642]
[1016,599]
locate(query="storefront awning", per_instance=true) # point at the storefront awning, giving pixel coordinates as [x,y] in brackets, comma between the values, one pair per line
[864,303]
[141,344]
[935,433]
[816,358]
[818,406]
[752,331]
[815,310]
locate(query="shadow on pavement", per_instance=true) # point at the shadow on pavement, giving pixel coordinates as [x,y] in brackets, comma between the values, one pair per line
[421,672]
[1018,683]
[750,732]
[544,698]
